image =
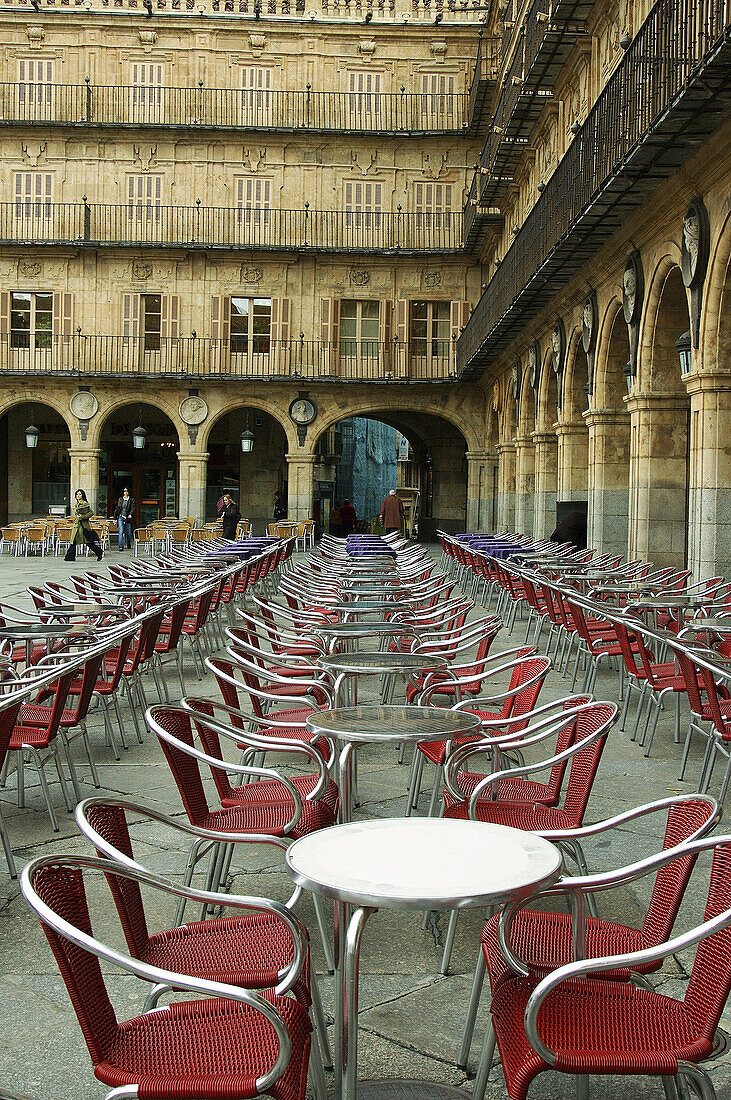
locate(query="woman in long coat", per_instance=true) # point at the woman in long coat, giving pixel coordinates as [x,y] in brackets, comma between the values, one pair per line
[82,531]
[230,515]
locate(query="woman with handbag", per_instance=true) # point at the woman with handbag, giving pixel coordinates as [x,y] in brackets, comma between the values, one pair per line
[82,531]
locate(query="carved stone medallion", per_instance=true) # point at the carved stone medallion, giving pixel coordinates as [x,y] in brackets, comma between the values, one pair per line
[193,410]
[84,405]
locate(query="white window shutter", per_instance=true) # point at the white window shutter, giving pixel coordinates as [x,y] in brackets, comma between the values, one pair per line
[130,316]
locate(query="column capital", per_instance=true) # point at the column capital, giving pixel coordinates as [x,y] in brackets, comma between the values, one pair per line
[712,380]
[193,456]
[646,402]
[480,456]
[544,438]
[85,452]
[574,428]
[302,460]
[523,441]
[506,448]
[598,417]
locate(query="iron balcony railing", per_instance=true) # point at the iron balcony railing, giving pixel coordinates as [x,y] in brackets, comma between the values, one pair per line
[641,119]
[97,225]
[484,75]
[203,357]
[424,11]
[231,109]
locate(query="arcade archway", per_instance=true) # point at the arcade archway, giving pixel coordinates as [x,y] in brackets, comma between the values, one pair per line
[33,481]
[149,471]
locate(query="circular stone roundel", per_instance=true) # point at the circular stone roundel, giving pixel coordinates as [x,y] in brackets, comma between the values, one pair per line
[193,410]
[84,405]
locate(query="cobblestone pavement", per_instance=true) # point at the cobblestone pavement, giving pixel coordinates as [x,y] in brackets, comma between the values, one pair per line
[411,1015]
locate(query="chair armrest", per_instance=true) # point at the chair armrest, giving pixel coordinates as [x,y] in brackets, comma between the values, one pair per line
[204,986]
[631,959]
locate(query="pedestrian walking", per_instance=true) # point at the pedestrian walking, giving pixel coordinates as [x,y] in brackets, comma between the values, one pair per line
[82,531]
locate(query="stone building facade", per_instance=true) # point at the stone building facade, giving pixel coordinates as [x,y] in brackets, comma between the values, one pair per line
[485,225]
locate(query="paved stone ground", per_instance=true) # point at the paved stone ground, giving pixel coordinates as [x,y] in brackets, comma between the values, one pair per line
[411,1016]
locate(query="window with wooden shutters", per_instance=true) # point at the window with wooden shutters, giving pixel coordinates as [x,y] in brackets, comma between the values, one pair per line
[429,329]
[437,101]
[130,316]
[363,204]
[257,96]
[35,77]
[433,205]
[250,325]
[151,321]
[360,323]
[147,79]
[253,200]
[364,99]
[31,319]
[144,196]
[169,311]
[33,192]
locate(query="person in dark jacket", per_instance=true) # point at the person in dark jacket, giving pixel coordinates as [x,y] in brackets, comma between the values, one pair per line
[280,506]
[230,515]
[124,514]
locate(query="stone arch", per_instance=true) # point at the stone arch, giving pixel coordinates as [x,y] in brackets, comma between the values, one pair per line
[111,404]
[665,311]
[575,377]
[526,406]
[715,334]
[263,404]
[374,407]
[25,397]
[547,393]
[34,480]
[660,436]
[611,356]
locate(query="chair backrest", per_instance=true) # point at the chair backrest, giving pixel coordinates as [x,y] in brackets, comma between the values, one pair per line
[585,762]
[111,824]
[523,702]
[212,743]
[185,769]
[685,821]
[710,979]
[62,890]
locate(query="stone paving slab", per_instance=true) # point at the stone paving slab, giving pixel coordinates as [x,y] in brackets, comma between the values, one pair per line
[411,1016]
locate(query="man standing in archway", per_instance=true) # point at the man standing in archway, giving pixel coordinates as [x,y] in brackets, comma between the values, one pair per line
[392,512]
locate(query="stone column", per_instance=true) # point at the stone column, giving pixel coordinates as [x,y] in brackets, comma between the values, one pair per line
[709,491]
[85,473]
[608,521]
[525,484]
[573,462]
[481,490]
[300,470]
[192,479]
[546,464]
[506,487]
[658,464]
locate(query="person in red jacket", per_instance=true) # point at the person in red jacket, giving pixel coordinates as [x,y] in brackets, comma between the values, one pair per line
[348,518]
[392,512]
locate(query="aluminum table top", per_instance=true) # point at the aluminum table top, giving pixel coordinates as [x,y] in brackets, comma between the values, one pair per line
[371,724]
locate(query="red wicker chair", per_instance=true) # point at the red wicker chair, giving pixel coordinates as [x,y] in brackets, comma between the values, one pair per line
[230,1042]
[578,1023]
[538,941]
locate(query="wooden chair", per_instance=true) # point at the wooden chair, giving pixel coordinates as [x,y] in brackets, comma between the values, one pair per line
[12,539]
[37,536]
[143,537]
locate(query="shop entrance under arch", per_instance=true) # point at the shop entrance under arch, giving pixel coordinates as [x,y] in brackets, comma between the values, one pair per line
[150,473]
[33,481]
[421,455]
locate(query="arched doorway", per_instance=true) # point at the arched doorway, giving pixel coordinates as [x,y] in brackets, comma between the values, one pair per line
[546,445]
[252,477]
[659,476]
[425,458]
[609,441]
[150,472]
[33,481]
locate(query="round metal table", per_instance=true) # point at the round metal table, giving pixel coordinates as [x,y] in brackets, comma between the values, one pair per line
[388,665]
[411,864]
[374,725]
[332,633]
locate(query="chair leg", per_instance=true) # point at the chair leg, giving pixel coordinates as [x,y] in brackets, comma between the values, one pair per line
[7,849]
[483,1070]
[469,1025]
[327,949]
[318,1019]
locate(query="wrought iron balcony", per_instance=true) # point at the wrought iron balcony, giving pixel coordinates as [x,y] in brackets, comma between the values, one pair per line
[544,42]
[197,357]
[482,86]
[418,11]
[202,108]
[671,90]
[228,229]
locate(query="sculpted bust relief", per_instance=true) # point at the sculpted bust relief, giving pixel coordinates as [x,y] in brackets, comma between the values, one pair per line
[557,349]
